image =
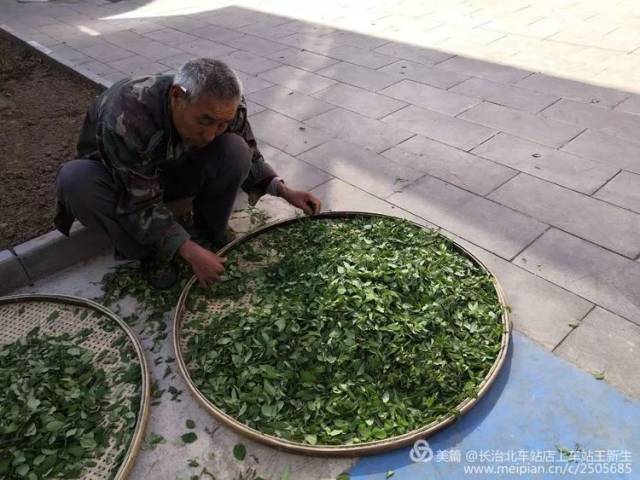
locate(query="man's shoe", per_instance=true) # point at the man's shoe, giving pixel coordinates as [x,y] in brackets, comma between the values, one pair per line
[228,236]
[160,274]
[202,234]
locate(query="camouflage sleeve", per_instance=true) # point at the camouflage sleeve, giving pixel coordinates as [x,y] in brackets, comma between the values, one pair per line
[261,172]
[139,207]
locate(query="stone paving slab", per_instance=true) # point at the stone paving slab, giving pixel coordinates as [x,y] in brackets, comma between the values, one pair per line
[452,131]
[531,127]
[285,133]
[361,167]
[588,218]
[541,310]
[417,72]
[303,59]
[616,123]
[605,343]
[431,98]
[505,95]
[451,165]
[358,129]
[487,224]
[607,150]
[297,79]
[359,76]
[570,171]
[289,102]
[622,190]
[360,101]
[598,275]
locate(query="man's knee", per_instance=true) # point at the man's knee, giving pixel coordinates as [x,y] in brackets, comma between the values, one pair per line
[80,182]
[237,155]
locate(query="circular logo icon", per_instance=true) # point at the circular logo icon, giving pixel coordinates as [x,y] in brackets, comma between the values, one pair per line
[421,452]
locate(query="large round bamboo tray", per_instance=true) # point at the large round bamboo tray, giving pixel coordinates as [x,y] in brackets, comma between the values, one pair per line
[182,315]
[19,314]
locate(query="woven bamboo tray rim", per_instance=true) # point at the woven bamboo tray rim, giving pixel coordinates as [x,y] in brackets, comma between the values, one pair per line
[142,417]
[365,448]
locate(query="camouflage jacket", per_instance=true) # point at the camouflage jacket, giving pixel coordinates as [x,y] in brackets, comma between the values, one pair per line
[129,129]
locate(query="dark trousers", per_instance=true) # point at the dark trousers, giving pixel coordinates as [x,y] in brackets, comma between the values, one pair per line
[213,176]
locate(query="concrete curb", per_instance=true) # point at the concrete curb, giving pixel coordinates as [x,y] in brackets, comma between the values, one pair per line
[39,257]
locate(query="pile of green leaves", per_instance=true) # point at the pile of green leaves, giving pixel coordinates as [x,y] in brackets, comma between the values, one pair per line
[343,332]
[52,407]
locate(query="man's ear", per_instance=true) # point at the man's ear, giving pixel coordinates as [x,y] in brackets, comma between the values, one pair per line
[178,92]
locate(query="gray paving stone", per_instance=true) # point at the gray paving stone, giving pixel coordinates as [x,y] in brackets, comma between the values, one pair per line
[253,108]
[176,61]
[297,79]
[269,32]
[568,170]
[359,76]
[606,150]
[170,36]
[630,105]
[506,95]
[71,55]
[539,129]
[303,59]
[257,45]
[289,102]
[314,42]
[296,173]
[106,52]
[248,62]
[602,277]
[360,101]
[12,275]
[286,134]
[252,83]
[539,309]
[621,124]
[426,56]
[586,217]
[361,167]
[206,48]
[425,74]
[452,131]
[216,33]
[101,69]
[623,190]
[138,65]
[483,69]
[360,56]
[359,129]
[52,251]
[343,37]
[337,195]
[573,90]
[476,219]
[184,23]
[605,342]
[429,97]
[450,164]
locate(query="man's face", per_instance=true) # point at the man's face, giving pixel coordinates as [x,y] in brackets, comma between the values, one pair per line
[198,123]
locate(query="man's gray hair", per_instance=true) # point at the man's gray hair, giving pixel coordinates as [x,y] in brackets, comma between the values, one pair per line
[207,76]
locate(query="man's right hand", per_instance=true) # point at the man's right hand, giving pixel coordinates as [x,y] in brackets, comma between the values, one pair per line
[206,265]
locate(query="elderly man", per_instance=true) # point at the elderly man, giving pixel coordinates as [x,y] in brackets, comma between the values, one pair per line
[161,138]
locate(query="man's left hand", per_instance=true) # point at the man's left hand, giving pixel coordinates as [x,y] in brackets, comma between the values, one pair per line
[306,201]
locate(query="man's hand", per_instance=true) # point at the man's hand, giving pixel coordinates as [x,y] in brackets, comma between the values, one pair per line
[308,202]
[206,265]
